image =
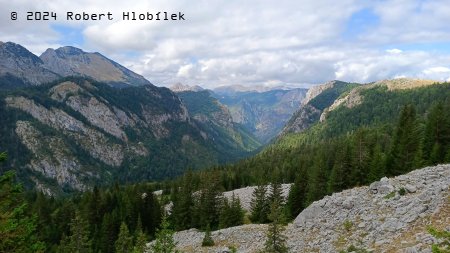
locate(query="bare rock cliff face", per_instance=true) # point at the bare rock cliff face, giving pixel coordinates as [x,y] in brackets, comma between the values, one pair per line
[391,215]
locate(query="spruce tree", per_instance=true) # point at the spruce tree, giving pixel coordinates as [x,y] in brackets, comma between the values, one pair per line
[437,134]
[231,213]
[297,195]
[124,243]
[405,144]
[164,242]
[183,204]
[207,240]
[17,229]
[259,205]
[341,174]
[276,240]
[377,166]
[140,242]
[78,241]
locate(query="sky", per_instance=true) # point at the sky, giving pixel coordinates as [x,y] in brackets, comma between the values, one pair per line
[255,42]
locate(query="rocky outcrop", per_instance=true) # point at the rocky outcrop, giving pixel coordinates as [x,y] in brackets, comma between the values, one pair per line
[305,117]
[245,194]
[71,61]
[391,215]
[50,157]
[98,113]
[20,67]
[317,90]
[93,141]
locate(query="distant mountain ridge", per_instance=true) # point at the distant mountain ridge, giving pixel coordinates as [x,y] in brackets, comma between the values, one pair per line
[71,61]
[263,113]
[19,67]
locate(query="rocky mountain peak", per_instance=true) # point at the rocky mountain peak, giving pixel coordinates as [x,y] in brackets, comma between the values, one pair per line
[13,49]
[20,67]
[72,61]
[69,50]
[179,87]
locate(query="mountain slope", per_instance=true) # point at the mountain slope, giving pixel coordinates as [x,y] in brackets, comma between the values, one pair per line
[75,133]
[215,119]
[20,67]
[262,113]
[71,61]
[377,218]
[317,99]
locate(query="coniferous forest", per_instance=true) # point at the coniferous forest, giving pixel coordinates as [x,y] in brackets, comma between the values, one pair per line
[390,134]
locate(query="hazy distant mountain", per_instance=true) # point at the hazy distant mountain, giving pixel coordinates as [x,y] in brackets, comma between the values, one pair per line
[71,61]
[179,87]
[263,113]
[20,67]
[215,119]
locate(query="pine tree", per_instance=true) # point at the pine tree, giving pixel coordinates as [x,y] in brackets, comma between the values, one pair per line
[259,205]
[341,174]
[78,241]
[276,194]
[377,166]
[17,229]
[317,185]
[140,242]
[183,204]
[207,240]
[232,213]
[297,195]
[164,242]
[405,144]
[437,134]
[276,241]
[124,242]
[360,159]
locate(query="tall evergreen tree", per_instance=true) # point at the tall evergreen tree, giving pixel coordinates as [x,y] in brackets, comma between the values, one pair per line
[124,243]
[406,143]
[377,166]
[436,141]
[17,229]
[360,159]
[231,213]
[317,186]
[183,204]
[297,195]
[341,174]
[164,242]
[78,241]
[259,205]
[276,240]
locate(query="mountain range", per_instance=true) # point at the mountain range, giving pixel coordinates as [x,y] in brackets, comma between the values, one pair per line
[73,119]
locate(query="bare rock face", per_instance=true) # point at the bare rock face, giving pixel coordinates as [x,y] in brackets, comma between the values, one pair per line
[245,194]
[50,157]
[93,141]
[71,61]
[377,218]
[22,67]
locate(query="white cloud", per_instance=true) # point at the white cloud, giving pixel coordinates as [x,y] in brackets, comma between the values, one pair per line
[253,42]
[394,51]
